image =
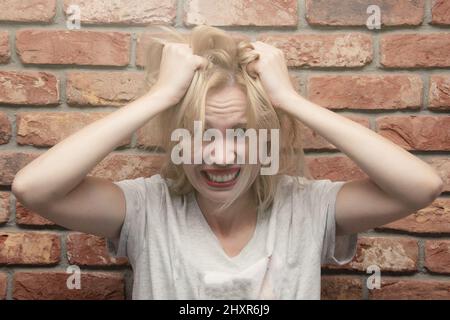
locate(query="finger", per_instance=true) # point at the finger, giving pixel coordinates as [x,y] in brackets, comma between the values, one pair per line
[202,62]
[251,69]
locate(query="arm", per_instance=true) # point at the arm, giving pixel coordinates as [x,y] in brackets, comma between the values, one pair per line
[56,186]
[399,183]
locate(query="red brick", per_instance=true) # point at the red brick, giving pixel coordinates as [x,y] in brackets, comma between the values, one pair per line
[433,219]
[90,250]
[29,248]
[241,13]
[334,168]
[5,53]
[128,166]
[426,133]
[4,207]
[394,254]
[53,286]
[323,50]
[366,91]
[354,12]
[5,128]
[415,50]
[398,289]
[28,88]
[26,217]
[442,167]
[340,288]
[437,256]
[103,88]
[11,163]
[440,12]
[143,43]
[3,285]
[311,140]
[115,166]
[439,94]
[73,47]
[27,10]
[46,129]
[134,12]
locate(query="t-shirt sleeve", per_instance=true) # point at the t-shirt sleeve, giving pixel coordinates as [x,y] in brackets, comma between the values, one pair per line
[131,238]
[335,249]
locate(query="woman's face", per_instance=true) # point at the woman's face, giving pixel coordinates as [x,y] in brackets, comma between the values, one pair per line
[225,109]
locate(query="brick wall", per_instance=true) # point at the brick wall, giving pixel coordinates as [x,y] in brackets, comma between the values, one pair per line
[54,81]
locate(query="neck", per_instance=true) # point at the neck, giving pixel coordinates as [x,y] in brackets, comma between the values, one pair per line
[237,216]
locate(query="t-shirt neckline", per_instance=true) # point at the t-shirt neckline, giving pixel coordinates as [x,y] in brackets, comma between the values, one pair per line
[243,253]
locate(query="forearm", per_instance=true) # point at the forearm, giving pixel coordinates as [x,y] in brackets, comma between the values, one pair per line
[61,168]
[395,170]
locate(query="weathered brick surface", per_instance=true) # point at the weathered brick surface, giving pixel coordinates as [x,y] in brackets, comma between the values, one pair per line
[334,168]
[116,166]
[354,12]
[90,250]
[3,285]
[341,288]
[5,52]
[411,289]
[435,218]
[26,217]
[28,88]
[5,128]
[27,10]
[323,50]
[428,133]
[126,12]
[103,89]
[415,50]
[389,254]
[241,13]
[77,47]
[4,207]
[440,12]
[439,93]
[53,285]
[366,91]
[29,248]
[45,129]
[437,256]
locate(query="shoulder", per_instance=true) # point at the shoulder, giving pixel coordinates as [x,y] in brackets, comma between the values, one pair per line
[151,187]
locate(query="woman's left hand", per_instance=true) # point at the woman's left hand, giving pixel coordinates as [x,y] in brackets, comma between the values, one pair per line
[271,68]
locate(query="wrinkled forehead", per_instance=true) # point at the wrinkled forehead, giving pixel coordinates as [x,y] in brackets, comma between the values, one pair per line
[226,108]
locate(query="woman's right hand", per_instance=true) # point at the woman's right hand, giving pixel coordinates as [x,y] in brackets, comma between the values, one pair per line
[177,68]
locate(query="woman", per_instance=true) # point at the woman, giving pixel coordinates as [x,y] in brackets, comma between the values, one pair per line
[220,229]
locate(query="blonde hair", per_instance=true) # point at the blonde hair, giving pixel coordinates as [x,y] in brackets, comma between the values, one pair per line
[227,58]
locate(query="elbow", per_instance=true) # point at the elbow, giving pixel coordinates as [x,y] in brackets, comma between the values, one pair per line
[430,194]
[23,193]
[17,188]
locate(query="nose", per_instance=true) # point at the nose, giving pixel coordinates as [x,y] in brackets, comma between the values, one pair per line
[222,152]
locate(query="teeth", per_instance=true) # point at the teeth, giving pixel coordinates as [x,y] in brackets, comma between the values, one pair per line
[222,178]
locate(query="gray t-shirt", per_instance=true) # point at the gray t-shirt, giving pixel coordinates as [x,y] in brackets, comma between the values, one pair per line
[175,254]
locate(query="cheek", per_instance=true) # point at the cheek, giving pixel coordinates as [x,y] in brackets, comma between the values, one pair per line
[189,170]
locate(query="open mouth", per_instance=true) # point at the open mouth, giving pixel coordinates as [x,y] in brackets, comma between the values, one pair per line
[221,178]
